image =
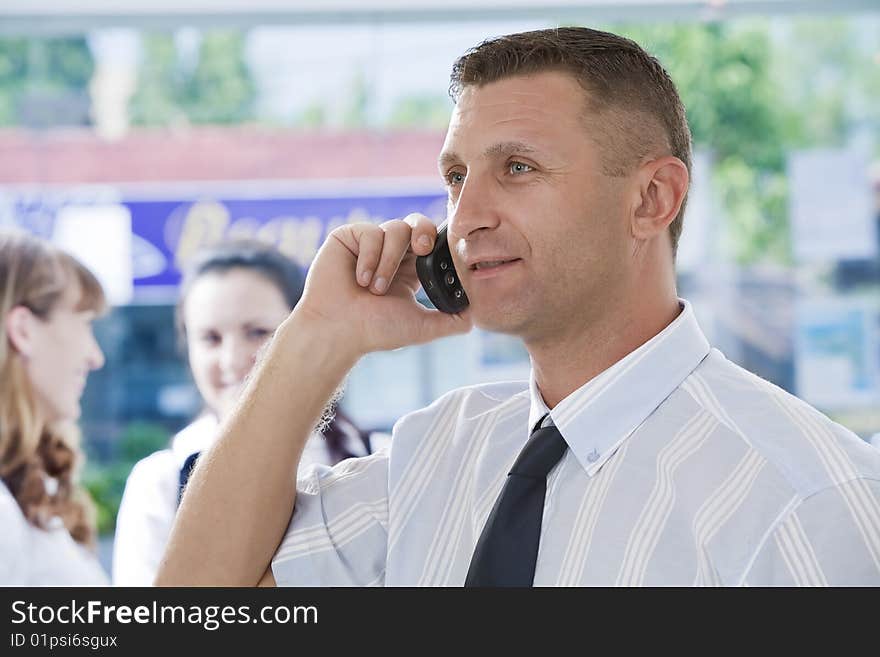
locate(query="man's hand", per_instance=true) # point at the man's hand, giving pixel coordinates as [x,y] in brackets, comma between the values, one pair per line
[362,286]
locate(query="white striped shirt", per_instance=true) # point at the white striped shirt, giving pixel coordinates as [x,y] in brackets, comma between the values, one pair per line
[682,469]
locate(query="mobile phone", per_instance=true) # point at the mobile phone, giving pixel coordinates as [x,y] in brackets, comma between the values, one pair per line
[439,278]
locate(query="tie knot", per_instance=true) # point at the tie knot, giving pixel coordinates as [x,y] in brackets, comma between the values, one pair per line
[543,450]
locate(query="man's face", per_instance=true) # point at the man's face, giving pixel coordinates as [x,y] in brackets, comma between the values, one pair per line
[538,233]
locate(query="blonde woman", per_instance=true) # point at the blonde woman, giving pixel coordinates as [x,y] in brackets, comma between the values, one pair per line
[47,349]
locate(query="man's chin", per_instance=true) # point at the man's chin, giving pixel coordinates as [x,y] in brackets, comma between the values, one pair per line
[496,322]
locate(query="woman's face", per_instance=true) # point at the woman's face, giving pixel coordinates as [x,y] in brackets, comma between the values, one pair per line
[228,316]
[62,352]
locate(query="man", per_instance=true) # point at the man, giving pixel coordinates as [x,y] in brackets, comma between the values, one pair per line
[567,163]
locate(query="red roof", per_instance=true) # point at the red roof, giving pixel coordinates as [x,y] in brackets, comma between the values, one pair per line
[214,153]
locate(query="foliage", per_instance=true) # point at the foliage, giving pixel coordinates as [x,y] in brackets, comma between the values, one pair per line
[106,482]
[723,72]
[313,116]
[750,102]
[54,69]
[356,113]
[422,111]
[156,101]
[13,76]
[218,89]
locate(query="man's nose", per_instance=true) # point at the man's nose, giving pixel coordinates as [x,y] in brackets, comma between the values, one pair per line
[476,206]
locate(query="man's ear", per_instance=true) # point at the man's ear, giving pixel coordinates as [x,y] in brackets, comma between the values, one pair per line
[662,185]
[19,329]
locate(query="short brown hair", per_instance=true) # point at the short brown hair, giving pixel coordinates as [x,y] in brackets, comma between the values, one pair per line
[637,99]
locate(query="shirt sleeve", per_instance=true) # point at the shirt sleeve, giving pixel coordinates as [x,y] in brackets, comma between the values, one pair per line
[143,524]
[831,538]
[338,531]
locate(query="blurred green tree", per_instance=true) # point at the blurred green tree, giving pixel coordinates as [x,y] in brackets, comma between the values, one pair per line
[157,100]
[724,74]
[13,77]
[44,80]
[218,89]
[314,116]
[756,89]
[356,113]
[221,89]
[425,111]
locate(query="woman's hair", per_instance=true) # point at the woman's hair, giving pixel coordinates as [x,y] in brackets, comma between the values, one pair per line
[288,278]
[39,462]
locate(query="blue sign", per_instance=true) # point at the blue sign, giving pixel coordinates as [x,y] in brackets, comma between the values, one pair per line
[167,233]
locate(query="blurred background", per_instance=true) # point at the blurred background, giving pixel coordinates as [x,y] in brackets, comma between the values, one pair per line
[134,135]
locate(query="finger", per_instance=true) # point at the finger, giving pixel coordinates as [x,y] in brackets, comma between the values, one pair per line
[370,240]
[424,232]
[394,248]
[407,274]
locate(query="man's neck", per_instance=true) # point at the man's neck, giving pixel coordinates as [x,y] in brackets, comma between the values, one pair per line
[566,361]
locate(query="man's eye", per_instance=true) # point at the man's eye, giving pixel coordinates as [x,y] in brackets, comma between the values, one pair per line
[519,167]
[454,178]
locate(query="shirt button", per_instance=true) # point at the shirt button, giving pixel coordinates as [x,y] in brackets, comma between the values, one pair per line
[593,456]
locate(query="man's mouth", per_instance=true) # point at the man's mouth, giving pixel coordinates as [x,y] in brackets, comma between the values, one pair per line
[489,264]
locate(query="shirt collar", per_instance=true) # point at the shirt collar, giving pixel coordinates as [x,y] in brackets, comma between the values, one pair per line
[195,437]
[597,417]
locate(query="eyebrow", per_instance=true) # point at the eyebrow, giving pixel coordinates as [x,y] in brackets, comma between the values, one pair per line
[505,148]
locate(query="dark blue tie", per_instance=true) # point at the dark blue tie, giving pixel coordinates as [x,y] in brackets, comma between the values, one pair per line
[508,547]
[185,473]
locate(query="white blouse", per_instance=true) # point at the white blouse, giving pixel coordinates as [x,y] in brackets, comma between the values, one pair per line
[30,556]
